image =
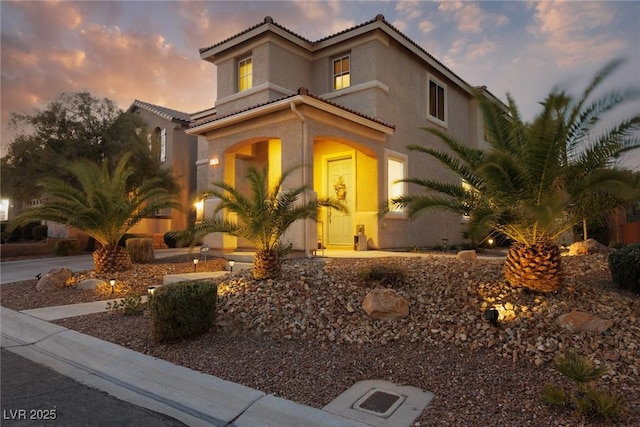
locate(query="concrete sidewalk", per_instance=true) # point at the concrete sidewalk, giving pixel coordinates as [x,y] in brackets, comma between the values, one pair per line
[191,397]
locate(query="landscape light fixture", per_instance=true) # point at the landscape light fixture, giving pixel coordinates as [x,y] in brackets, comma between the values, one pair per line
[112,282]
[195,263]
[492,315]
[444,244]
[490,242]
[231,264]
[151,290]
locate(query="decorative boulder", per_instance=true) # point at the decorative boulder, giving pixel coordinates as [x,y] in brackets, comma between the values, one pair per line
[579,321]
[467,255]
[54,279]
[588,247]
[385,304]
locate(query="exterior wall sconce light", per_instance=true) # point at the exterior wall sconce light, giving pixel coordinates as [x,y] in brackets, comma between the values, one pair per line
[151,290]
[112,282]
[214,161]
[195,263]
[492,315]
[445,241]
[231,264]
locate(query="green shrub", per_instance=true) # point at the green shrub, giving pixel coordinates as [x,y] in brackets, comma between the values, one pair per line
[172,239]
[66,247]
[39,232]
[625,267]
[140,250]
[383,274]
[182,310]
[584,398]
[20,233]
[131,305]
[123,240]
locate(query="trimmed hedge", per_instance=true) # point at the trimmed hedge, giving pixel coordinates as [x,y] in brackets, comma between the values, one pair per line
[624,265]
[182,310]
[140,250]
[66,247]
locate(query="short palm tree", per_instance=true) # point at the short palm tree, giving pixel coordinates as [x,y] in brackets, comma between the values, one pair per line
[263,216]
[536,180]
[102,205]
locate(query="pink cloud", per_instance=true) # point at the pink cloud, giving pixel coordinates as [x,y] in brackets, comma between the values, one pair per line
[470,17]
[570,31]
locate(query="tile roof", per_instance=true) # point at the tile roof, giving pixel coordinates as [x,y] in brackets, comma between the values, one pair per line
[167,113]
[301,92]
[378,18]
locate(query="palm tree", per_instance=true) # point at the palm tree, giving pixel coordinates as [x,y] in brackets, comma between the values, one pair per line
[262,217]
[536,180]
[102,205]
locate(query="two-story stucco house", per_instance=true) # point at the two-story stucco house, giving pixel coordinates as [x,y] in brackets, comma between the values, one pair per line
[346,107]
[176,151]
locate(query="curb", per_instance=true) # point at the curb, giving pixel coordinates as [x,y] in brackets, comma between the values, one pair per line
[192,397]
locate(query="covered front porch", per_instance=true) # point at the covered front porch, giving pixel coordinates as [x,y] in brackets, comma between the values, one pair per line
[332,152]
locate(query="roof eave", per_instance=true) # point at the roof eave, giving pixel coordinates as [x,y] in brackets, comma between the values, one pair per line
[284,104]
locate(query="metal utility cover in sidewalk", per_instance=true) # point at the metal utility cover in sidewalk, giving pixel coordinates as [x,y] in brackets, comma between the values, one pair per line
[381,403]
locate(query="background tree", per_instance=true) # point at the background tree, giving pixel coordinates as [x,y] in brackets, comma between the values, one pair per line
[103,205]
[263,216]
[536,180]
[75,126]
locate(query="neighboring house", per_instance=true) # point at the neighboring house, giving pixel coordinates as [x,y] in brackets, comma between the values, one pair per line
[345,106]
[177,151]
[625,225]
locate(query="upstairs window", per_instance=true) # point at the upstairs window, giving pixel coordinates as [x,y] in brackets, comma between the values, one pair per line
[437,100]
[341,73]
[245,74]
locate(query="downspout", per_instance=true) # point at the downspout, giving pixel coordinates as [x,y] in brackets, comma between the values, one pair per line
[305,234]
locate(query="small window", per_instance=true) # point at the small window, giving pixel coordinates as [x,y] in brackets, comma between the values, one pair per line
[437,100]
[341,73]
[245,74]
[396,171]
[163,145]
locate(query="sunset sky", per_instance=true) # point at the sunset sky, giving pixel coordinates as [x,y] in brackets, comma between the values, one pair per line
[148,50]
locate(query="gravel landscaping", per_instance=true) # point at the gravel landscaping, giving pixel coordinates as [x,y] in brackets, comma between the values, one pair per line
[306,338]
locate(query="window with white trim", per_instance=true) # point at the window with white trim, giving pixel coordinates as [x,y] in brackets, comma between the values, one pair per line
[341,72]
[163,145]
[396,171]
[245,74]
[437,100]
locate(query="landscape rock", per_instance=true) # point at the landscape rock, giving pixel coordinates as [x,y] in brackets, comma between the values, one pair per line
[579,321]
[385,304]
[467,255]
[588,247]
[54,279]
[90,284]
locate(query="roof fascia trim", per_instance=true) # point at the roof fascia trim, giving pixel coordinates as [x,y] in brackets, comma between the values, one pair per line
[285,104]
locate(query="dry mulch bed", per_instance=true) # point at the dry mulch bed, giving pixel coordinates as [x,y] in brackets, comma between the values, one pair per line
[305,337]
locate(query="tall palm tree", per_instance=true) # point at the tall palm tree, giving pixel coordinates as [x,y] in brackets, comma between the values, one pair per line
[102,205]
[263,216]
[537,179]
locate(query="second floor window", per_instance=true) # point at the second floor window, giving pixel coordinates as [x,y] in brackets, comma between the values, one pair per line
[437,100]
[341,73]
[245,73]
